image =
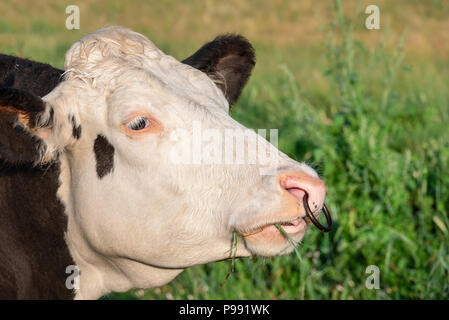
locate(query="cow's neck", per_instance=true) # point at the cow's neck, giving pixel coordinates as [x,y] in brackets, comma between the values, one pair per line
[101,274]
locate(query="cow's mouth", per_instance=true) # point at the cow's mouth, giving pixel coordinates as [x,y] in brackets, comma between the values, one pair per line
[298,224]
[292,227]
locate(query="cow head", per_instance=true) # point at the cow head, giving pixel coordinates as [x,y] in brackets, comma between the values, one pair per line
[136,215]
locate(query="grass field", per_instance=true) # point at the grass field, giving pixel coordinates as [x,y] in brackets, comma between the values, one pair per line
[369,109]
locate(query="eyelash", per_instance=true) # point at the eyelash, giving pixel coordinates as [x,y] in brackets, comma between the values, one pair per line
[138,123]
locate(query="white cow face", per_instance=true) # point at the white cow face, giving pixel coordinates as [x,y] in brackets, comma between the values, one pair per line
[137,215]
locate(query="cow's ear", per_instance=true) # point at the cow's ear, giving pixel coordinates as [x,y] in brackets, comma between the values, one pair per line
[21,127]
[17,146]
[228,60]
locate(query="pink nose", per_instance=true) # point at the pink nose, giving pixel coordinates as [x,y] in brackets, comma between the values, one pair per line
[298,184]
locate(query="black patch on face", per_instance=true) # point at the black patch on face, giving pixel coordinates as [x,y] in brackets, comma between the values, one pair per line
[50,120]
[76,130]
[104,155]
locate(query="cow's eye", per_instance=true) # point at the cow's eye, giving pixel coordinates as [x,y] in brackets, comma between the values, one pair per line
[138,123]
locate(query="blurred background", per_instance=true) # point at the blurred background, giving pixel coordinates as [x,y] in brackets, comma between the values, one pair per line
[369,109]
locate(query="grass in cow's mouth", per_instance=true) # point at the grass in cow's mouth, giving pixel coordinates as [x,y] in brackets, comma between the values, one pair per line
[233,253]
[290,239]
[234,250]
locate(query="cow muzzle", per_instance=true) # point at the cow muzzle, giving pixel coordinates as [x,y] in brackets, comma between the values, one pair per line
[304,197]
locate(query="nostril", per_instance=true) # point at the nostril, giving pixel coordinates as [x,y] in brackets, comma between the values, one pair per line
[299,183]
[296,192]
[311,192]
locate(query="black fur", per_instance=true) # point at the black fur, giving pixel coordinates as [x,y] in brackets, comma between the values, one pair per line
[33,252]
[34,77]
[17,147]
[50,120]
[76,129]
[104,155]
[23,102]
[228,60]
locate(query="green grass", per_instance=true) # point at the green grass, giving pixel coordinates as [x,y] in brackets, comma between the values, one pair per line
[372,118]
[291,240]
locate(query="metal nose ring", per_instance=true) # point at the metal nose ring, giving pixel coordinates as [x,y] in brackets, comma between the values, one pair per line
[312,218]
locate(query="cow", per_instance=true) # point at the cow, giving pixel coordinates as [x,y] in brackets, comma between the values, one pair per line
[89,181]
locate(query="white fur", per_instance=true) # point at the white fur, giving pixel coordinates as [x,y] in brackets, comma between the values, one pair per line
[147,220]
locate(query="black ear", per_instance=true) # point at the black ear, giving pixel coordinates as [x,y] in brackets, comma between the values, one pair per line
[228,60]
[19,110]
